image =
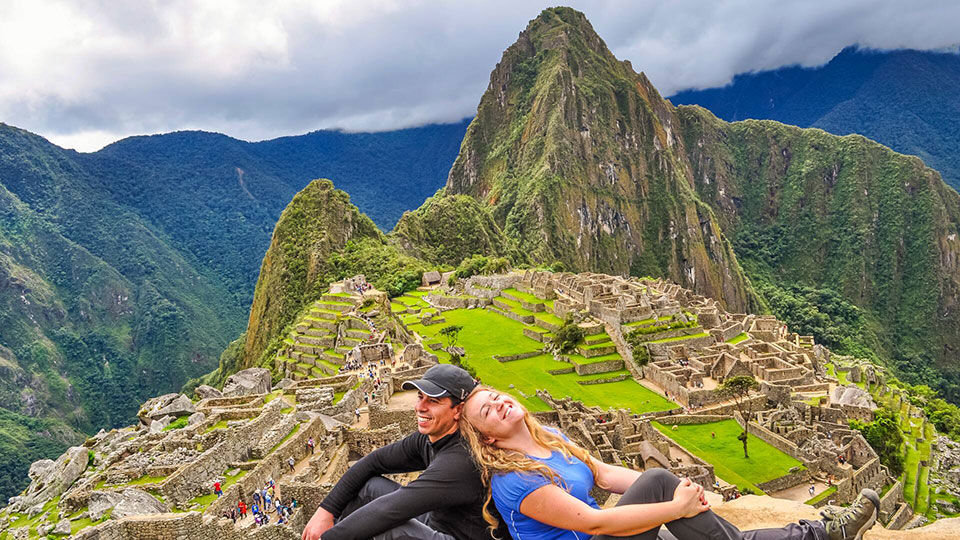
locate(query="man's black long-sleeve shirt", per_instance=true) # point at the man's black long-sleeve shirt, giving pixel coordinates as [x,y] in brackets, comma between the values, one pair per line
[449,488]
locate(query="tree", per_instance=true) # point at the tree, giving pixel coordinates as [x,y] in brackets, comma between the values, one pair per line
[738,389]
[451,332]
[884,435]
[567,337]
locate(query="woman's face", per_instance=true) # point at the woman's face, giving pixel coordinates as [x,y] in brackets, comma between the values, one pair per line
[495,415]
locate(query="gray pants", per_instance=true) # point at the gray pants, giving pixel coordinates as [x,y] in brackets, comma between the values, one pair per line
[418,528]
[658,485]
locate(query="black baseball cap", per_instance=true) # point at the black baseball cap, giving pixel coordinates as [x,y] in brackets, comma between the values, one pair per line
[444,380]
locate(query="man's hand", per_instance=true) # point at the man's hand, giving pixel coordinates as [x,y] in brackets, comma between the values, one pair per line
[689,498]
[321,522]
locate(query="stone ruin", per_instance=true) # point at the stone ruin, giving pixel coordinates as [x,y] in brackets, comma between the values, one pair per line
[244,434]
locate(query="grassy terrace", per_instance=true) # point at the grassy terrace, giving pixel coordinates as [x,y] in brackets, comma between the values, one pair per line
[725,452]
[487,333]
[680,338]
[738,338]
[526,297]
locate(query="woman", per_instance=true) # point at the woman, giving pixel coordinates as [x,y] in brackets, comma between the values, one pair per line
[540,483]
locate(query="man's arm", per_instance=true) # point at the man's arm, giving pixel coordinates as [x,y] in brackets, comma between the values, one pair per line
[451,480]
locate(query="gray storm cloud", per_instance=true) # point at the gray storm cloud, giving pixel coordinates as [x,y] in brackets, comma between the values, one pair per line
[84,74]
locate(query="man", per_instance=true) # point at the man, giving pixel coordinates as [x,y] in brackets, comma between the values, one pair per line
[443,503]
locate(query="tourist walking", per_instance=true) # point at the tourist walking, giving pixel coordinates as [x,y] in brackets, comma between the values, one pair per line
[242,508]
[310,445]
[291,463]
[217,490]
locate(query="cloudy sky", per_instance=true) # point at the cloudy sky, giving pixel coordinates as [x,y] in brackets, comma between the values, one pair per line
[86,73]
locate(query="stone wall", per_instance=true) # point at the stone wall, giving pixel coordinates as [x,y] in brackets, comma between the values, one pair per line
[519,356]
[364,442]
[901,517]
[685,419]
[381,417]
[890,500]
[196,478]
[598,367]
[662,349]
[186,526]
[275,465]
[785,482]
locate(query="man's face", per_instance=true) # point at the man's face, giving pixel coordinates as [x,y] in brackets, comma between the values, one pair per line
[436,417]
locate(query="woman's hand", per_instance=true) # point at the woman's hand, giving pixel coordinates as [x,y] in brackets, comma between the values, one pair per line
[689,498]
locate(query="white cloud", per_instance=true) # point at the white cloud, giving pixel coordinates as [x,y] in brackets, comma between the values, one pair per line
[83,73]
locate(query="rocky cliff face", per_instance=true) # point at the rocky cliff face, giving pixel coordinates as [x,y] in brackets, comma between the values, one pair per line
[578,159]
[842,213]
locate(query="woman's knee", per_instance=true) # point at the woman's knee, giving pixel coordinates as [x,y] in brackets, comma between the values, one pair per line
[654,485]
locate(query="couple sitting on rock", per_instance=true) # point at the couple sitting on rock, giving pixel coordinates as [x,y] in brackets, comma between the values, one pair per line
[476,445]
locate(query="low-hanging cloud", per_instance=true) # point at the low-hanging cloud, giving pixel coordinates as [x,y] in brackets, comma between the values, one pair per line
[84,74]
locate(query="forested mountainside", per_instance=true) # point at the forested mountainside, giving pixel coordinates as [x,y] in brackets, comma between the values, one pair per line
[577,160]
[908,100]
[125,272]
[97,310]
[233,191]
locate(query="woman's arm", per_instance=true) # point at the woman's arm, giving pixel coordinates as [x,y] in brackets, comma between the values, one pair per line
[555,507]
[613,478]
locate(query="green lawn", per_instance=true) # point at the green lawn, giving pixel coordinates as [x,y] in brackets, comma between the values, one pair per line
[679,338]
[738,338]
[486,334]
[823,495]
[526,297]
[725,452]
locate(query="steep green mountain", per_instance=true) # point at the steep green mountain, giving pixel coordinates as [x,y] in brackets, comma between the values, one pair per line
[320,238]
[908,100]
[577,158]
[813,211]
[97,311]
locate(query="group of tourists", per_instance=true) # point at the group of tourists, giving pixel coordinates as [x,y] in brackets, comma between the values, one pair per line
[491,470]
[264,501]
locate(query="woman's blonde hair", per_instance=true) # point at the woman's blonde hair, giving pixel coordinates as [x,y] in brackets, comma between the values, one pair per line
[492,460]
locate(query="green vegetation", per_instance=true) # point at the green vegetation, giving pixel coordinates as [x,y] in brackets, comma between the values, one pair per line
[885,437]
[738,338]
[568,336]
[825,494]
[180,422]
[726,454]
[486,334]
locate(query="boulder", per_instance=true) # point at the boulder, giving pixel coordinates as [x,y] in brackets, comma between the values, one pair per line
[179,406]
[63,527]
[284,382]
[153,405]
[247,382]
[43,529]
[853,395]
[196,418]
[157,425]
[205,391]
[129,502]
[51,478]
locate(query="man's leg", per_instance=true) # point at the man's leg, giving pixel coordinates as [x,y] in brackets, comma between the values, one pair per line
[658,485]
[379,486]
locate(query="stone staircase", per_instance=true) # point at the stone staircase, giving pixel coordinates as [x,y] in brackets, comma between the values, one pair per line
[322,337]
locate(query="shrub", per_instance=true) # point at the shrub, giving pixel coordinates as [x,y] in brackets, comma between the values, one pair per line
[567,337]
